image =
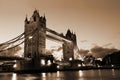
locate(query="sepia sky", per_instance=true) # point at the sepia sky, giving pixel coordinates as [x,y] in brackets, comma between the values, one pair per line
[96,22]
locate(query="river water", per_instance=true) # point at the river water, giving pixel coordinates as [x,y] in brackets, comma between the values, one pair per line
[110,74]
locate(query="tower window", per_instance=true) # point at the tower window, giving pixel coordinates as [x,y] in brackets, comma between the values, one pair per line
[34,18]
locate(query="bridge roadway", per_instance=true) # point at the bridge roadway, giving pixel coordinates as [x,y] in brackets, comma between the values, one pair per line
[56,36]
[51,34]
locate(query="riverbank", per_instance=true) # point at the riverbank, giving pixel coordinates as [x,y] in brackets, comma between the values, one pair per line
[86,68]
[60,69]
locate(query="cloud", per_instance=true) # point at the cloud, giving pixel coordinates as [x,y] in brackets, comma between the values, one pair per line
[53,50]
[100,52]
[84,41]
[60,48]
[83,52]
[106,45]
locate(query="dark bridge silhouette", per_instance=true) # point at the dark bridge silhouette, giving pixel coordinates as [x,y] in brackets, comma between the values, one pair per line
[34,39]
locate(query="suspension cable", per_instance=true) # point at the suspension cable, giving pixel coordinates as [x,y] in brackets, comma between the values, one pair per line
[32,33]
[15,39]
[9,41]
[11,47]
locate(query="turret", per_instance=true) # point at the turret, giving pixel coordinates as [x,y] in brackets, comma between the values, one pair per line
[68,34]
[71,36]
[36,15]
[74,38]
[26,20]
[44,18]
[35,45]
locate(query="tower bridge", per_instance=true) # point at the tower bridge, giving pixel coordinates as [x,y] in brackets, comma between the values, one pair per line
[34,39]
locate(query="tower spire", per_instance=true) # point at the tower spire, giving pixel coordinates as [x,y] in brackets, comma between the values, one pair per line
[26,19]
[44,18]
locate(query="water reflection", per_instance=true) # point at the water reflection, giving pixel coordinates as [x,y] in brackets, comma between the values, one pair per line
[43,74]
[58,74]
[14,76]
[30,78]
[66,75]
[80,73]
[113,73]
[99,73]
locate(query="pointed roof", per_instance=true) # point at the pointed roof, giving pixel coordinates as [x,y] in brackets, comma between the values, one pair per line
[68,34]
[26,19]
[44,18]
[36,13]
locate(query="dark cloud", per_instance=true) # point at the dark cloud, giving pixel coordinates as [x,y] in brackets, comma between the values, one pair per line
[99,51]
[83,52]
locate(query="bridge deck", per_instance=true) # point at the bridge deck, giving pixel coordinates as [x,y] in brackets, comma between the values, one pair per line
[56,35]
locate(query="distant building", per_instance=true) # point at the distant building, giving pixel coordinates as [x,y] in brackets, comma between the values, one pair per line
[71,36]
[112,59]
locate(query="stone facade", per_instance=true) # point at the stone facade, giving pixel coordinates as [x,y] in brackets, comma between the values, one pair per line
[68,47]
[35,35]
[35,38]
[68,51]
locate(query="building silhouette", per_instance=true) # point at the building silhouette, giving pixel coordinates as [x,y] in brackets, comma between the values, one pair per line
[35,42]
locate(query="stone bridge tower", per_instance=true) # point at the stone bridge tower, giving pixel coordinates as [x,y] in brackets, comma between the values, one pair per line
[68,47]
[35,36]
[35,39]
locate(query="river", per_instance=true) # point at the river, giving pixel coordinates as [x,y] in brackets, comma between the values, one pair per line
[109,74]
